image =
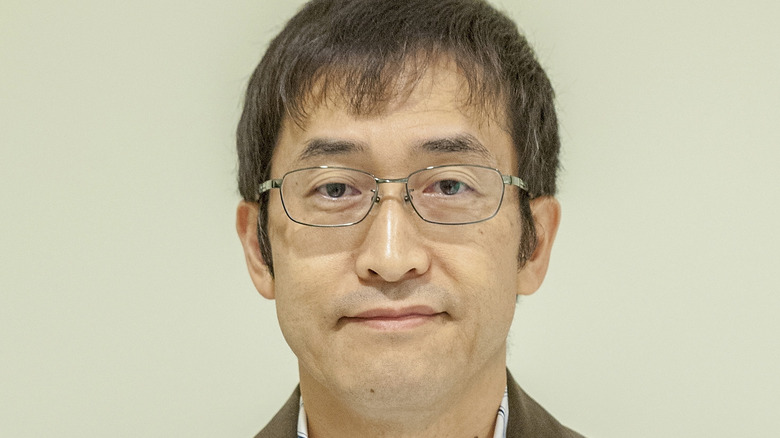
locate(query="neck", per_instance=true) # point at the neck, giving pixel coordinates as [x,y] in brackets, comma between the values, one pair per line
[466,409]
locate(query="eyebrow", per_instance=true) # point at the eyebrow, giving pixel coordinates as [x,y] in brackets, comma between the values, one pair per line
[319,147]
[459,144]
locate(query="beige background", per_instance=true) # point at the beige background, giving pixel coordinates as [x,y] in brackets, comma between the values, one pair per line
[125,308]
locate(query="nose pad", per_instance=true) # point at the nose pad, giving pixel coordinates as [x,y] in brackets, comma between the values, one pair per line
[406,198]
[405,191]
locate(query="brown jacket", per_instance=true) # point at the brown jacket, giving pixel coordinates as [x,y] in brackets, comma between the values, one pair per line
[527,419]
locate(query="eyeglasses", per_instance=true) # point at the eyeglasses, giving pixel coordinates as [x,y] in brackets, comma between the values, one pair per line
[455,194]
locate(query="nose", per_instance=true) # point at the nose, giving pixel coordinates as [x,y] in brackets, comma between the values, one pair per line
[392,250]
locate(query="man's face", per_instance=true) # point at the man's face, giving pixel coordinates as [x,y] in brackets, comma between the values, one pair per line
[395,308]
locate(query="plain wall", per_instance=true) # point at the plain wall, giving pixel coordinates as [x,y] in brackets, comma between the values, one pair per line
[125,306]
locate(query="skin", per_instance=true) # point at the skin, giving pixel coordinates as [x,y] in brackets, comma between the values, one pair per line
[421,373]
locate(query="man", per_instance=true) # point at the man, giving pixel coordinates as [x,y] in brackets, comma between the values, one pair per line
[397,161]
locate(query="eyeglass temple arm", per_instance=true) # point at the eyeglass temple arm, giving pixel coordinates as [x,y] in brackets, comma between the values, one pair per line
[514,181]
[268,185]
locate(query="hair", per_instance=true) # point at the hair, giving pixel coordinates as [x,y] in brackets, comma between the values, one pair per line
[364,49]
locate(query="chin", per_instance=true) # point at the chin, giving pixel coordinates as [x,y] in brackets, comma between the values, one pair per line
[400,383]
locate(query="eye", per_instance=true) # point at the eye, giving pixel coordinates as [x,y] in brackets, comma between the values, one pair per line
[448,187]
[337,190]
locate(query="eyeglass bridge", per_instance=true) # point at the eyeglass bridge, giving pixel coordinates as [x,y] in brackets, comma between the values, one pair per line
[404,181]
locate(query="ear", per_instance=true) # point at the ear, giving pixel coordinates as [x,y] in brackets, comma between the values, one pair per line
[547,215]
[246,226]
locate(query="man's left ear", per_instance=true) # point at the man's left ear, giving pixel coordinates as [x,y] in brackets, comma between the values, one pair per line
[547,215]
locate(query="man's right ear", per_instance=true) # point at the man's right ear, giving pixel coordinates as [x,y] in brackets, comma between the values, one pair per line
[246,226]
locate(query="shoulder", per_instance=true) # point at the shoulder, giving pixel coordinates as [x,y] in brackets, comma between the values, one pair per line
[284,423]
[529,419]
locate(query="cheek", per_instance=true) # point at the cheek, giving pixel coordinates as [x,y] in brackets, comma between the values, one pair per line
[483,265]
[299,309]
[304,282]
[308,274]
[490,248]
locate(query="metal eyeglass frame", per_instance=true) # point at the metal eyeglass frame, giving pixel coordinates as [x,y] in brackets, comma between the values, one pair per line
[276,183]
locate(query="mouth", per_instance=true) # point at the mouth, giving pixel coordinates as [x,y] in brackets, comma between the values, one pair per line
[388,319]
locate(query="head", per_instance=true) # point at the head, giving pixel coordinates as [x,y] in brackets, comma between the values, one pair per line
[371,309]
[370,51]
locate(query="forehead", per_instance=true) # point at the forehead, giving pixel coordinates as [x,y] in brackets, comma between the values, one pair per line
[428,116]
